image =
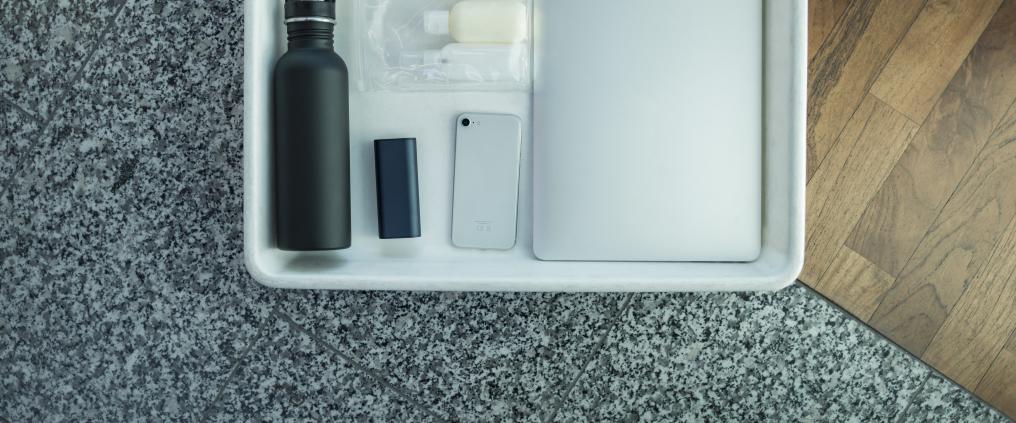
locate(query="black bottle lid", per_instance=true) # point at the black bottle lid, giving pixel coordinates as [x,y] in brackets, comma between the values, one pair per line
[310,10]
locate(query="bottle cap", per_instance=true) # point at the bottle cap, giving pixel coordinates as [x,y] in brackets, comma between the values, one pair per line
[310,11]
[420,58]
[432,57]
[436,21]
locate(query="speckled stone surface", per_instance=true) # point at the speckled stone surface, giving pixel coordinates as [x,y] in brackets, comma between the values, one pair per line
[830,352]
[123,295]
[943,401]
[17,134]
[750,357]
[43,45]
[290,377]
[473,357]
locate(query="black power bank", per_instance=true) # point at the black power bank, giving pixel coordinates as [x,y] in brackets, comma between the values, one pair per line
[398,190]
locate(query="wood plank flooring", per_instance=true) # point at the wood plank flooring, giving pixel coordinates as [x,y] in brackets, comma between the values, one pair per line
[847,64]
[912,178]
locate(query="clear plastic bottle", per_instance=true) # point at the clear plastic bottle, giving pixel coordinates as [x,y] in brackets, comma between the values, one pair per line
[480,21]
[473,62]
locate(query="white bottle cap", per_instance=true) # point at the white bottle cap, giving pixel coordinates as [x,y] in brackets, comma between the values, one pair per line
[436,21]
[432,57]
[420,58]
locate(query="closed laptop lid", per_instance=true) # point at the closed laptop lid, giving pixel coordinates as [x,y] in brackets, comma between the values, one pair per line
[647,141]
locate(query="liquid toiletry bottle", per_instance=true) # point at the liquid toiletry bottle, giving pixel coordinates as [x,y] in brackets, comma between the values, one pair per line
[473,62]
[480,21]
[311,91]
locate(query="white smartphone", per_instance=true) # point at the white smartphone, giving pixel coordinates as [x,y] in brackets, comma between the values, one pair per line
[488,149]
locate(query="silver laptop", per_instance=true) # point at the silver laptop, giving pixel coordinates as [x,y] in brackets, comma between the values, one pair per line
[647,141]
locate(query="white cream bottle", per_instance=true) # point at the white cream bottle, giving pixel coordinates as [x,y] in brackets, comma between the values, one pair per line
[480,21]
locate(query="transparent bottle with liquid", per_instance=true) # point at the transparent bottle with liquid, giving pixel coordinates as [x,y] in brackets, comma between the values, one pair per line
[472,62]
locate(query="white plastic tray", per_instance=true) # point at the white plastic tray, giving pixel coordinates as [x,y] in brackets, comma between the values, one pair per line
[430,262]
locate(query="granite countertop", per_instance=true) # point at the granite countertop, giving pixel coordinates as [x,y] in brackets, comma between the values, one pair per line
[124,296]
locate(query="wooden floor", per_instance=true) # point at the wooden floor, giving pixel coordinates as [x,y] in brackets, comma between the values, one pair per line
[912,178]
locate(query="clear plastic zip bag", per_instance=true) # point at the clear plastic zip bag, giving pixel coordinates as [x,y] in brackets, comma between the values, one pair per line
[444,45]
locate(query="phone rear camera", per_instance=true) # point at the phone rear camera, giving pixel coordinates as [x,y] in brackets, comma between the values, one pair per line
[465,122]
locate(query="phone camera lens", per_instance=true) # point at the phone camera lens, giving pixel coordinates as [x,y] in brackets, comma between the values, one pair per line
[465,122]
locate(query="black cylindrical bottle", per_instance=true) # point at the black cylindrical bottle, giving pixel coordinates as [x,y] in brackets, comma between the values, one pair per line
[311,90]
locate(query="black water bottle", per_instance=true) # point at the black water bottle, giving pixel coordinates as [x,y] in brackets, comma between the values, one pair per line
[311,89]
